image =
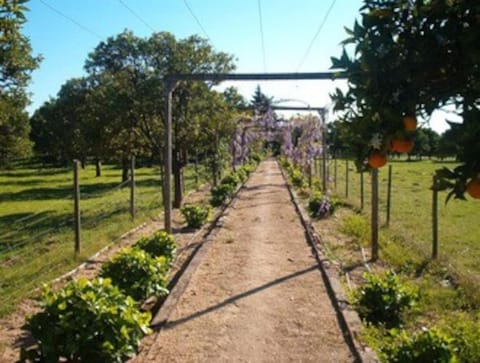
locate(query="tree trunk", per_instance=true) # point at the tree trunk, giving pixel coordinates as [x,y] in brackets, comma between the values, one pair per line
[98,168]
[84,163]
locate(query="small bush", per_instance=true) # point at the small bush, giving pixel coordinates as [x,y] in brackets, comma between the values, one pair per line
[232,179]
[242,174]
[465,333]
[87,321]
[296,177]
[195,215]
[382,299]
[159,244]
[220,193]
[320,206]
[137,274]
[357,226]
[255,157]
[426,346]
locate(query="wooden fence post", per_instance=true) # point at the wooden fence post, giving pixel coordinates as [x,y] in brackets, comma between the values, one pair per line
[335,171]
[374,217]
[362,193]
[434,220]
[132,187]
[76,204]
[389,194]
[346,179]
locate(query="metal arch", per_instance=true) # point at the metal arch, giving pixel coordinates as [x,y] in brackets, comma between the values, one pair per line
[171,82]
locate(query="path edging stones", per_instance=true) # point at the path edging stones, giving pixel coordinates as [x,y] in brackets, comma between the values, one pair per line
[347,317]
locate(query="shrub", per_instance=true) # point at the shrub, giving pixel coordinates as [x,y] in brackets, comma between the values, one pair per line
[159,244]
[195,215]
[465,333]
[426,346]
[255,157]
[382,299]
[232,179]
[220,193]
[296,177]
[88,321]
[320,206]
[242,174]
[137,274]
[356,226]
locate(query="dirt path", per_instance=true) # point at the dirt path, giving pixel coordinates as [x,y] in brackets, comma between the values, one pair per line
[258,295]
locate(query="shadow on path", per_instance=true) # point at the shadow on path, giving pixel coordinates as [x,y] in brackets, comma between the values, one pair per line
[174,323]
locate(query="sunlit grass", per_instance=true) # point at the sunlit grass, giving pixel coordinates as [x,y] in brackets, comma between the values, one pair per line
[36,221]
[411,214]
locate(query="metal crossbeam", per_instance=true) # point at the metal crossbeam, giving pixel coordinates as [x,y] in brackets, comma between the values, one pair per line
[255,76]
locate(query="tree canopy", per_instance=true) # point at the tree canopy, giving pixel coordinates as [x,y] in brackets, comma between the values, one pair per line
[410,58]
[16,65]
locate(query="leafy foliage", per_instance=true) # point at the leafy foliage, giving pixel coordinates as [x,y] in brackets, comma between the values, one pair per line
[465,336]
[382,299]
[296,177]
[220,193]
[232,179]
[88,321]
[320,205]
[16,65]
[137,274]
[195,215]
[159,244]
[428,345]
[410,59]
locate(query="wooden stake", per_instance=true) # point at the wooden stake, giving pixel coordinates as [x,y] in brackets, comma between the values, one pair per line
[389,194]
[374,225]
[362,193]
[346,179]
[76,204]
[434,220]
[132,187]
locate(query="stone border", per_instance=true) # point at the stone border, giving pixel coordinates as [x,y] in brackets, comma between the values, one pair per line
[348,319]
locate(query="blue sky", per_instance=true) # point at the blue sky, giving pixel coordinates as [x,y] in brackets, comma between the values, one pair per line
[233,26]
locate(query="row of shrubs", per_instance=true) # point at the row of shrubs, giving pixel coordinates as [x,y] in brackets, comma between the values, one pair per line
[100,320]
[383,302]
[197,215]
[225,190]
[320,205]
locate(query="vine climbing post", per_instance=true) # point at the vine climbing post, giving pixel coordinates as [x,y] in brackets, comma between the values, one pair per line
[167,182]
[374,217]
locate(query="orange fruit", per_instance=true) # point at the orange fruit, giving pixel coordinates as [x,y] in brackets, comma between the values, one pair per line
[377,159]
[401,146]
[473,188]
[409,123]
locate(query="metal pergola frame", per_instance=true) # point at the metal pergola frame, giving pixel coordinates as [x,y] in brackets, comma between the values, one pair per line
[171,82]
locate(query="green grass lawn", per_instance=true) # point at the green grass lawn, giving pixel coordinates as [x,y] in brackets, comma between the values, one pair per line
[411,211]
[36,221]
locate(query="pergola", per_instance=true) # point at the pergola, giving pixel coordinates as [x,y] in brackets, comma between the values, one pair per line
[171,82]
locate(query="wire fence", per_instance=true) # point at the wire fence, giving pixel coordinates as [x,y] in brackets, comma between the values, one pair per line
[38,245]
[413,211]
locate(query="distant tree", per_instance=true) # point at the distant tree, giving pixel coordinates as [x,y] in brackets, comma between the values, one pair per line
[260,102]
[447,144]
[234,99]
[16,64]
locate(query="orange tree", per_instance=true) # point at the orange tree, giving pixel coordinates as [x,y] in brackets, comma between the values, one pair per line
[411,58]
